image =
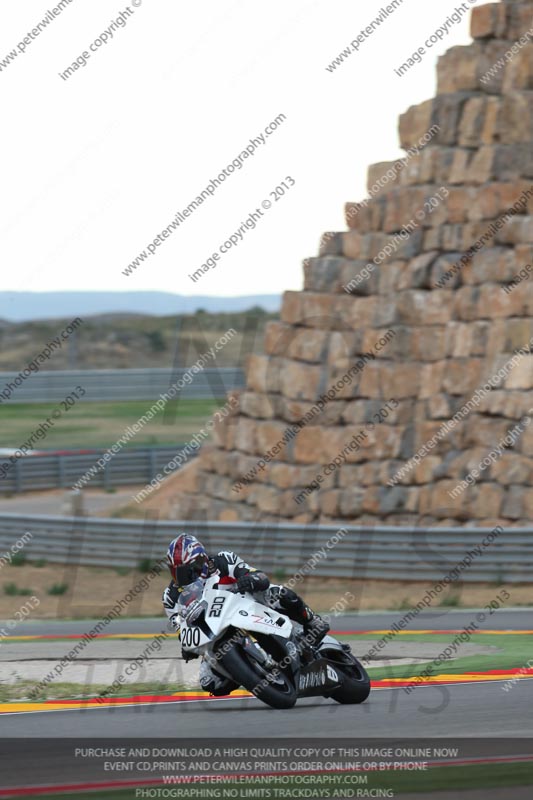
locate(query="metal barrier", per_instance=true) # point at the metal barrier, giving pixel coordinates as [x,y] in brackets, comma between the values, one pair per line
[120,384]
[382,552]
[132,466]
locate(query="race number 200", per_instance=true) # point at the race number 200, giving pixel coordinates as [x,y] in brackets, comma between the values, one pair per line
[190,637]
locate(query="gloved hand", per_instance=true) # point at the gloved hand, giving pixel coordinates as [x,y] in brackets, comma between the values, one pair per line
[253,582]
[174,623]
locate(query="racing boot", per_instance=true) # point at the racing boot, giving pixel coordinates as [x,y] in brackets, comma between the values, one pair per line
[315,627]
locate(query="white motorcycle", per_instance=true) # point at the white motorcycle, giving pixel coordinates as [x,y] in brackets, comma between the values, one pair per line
[264,651]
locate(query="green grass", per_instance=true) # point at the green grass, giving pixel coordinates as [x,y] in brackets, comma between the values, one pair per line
[484,776]
[146,565]
[513,652]
[99,425]
[452,600]
[12,590]
[403,604]
[57,589]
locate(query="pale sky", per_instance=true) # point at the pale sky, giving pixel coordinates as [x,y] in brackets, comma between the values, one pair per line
[95,167]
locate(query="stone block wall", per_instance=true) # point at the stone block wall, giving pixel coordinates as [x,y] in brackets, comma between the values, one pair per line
[403,367]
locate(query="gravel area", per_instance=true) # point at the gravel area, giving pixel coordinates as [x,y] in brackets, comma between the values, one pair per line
[103,660]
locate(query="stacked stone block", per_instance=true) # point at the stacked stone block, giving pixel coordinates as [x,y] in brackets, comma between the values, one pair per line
[453,326]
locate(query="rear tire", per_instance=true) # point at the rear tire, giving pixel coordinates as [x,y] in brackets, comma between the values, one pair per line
[355,686]
[242,671]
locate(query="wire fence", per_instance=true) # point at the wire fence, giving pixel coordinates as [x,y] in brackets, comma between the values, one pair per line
[61,471]
[118,384]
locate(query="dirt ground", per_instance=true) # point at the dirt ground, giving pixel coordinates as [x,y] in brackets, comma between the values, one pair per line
[92,592]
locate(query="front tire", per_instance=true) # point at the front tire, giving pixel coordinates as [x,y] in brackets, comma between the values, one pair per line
[281,695]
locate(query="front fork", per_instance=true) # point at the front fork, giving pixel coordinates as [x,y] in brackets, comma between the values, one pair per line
[253,649]
[249,644]
[290,659]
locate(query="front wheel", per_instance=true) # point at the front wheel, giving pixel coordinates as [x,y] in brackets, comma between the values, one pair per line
[276,690]
[355,685]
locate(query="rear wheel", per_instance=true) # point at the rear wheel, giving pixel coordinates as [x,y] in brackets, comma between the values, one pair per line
[356,681]
[273,686]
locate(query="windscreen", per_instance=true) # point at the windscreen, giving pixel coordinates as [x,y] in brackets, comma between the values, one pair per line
[189,594]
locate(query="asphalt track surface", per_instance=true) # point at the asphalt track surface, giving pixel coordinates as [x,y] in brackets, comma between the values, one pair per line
[441,619]
[475,709]
[468,710]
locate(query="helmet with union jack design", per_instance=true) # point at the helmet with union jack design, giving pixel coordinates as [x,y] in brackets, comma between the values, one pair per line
[187,559]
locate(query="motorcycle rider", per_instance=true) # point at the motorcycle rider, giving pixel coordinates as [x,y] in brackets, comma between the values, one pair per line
[188,560]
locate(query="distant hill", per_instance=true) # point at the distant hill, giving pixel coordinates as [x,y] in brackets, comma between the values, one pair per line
[125,340]
[31,306]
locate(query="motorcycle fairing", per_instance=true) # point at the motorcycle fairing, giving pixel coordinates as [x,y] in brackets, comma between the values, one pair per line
[318,678]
